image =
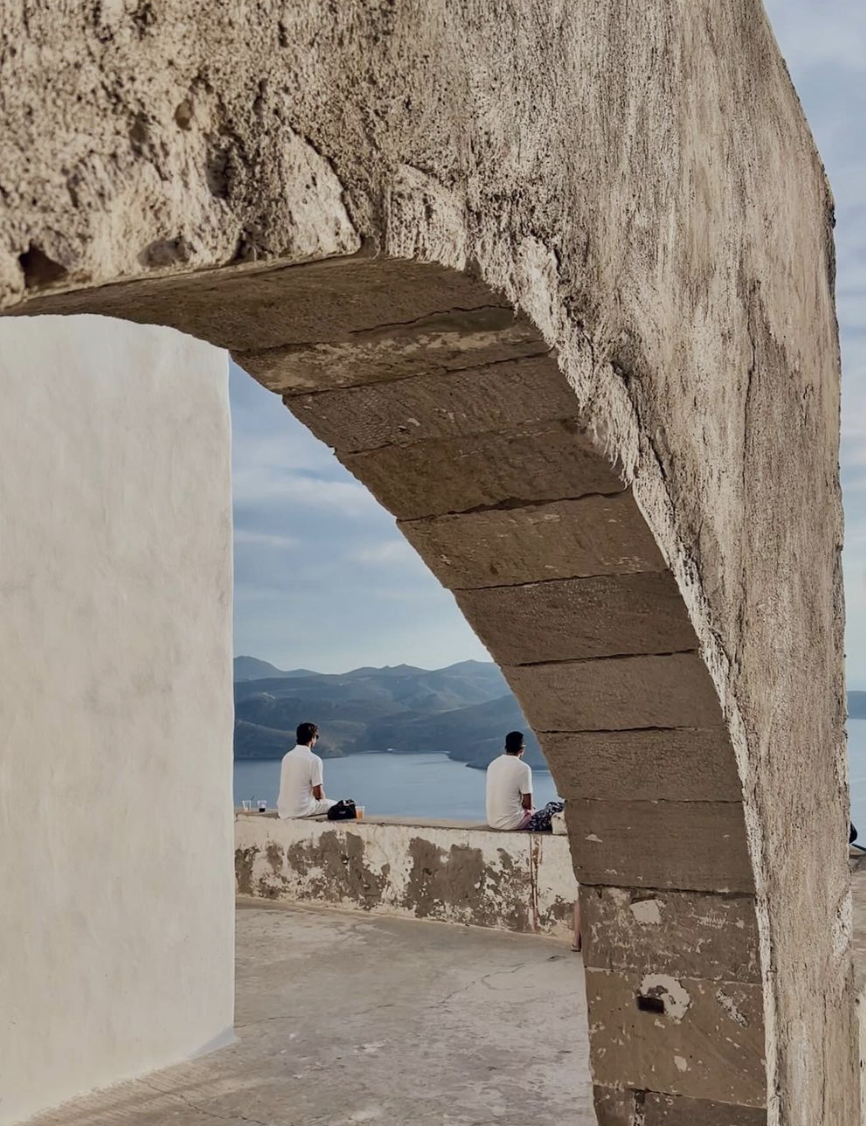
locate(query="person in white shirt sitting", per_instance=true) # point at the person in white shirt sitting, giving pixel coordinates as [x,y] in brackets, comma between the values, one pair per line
[302,792]
[509,786]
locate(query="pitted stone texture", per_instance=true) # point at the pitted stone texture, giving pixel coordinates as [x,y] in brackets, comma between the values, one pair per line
[658,931]
[450,340]
[667,1110]
[596,535]
[705,1041]
[683,845]
[619,693]
[248,308]
[444,405]
[679,764]
[575,619]
[547,461]
[616,1107]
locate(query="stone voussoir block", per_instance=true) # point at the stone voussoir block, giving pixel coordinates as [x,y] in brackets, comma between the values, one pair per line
[594,535]
[252,309]
[617,693]
[692,846]
[546,461]
[575,619]
[438,343]
[684,1036]
[676,764]
[443,405]
[698,934]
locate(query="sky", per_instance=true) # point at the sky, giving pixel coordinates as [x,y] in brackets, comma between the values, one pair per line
[324,580]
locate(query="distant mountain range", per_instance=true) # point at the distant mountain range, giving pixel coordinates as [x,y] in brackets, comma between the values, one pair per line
[464,711]
[857,705]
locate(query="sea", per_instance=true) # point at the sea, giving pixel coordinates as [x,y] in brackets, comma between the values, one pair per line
[432,785]
[394,785]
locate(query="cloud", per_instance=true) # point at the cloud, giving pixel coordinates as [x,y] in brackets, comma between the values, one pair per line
[825,47]
[390,553]
[246,538]
[323,578]
[269,485]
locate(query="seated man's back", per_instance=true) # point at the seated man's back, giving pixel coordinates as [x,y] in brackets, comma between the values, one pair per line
[509,787]
[301,778]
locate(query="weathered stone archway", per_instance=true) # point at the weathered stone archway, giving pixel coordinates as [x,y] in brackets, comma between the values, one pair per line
[643,525]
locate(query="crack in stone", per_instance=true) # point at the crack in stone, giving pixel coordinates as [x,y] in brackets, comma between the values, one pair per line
[203,1110]
[509,505]
[441,370]
[430,316]
[478,981]
[597,660]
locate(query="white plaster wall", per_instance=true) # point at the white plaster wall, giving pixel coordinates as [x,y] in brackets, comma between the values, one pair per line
[116,945]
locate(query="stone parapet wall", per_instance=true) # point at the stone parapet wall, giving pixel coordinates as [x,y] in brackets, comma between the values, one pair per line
[452,872]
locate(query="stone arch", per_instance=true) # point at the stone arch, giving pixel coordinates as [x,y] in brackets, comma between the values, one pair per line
[453,410]
[634,214]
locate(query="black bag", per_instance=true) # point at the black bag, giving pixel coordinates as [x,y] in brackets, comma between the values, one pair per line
[343,810]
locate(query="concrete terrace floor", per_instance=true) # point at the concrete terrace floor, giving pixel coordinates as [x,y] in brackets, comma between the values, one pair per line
[345,1019]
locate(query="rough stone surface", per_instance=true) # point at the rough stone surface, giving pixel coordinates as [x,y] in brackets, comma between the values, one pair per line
[617,693]
[701,1039]
[595,535]
[476,400]
[343,1019]
[454,339]
[471,875]
[254,309]
[657,931]
[665,1110]
[616,1107]
[577,619]
[640,182]
[690,845]
[545,461]
[680,764]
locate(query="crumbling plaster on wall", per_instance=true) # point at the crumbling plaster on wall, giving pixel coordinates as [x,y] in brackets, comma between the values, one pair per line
[474,876]
[639,180]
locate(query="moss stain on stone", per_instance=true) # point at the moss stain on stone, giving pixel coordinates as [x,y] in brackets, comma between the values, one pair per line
[245,858]
[333,868]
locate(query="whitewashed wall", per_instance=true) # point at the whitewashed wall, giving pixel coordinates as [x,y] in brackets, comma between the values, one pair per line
[116,945]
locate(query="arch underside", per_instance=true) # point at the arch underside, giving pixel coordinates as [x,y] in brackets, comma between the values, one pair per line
[454,412]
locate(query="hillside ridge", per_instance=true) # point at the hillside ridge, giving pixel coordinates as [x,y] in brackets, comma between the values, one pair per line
[463,710]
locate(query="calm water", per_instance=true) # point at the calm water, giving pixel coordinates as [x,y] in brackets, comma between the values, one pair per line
[434,786]
[398,785]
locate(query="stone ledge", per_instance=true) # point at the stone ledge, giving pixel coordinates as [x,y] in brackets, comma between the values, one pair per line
[379,819]
[450,871]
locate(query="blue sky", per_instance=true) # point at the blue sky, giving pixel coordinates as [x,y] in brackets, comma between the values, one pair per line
[322,577]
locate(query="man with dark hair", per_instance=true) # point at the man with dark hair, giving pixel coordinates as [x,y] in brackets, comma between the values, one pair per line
[302,792]
[509,786]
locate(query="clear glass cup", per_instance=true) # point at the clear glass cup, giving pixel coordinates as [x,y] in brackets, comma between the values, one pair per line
[248,805]
[263,806]
[359,812]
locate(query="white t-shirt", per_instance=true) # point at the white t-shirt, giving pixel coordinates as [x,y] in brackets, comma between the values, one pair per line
[301,770]
[508,778]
